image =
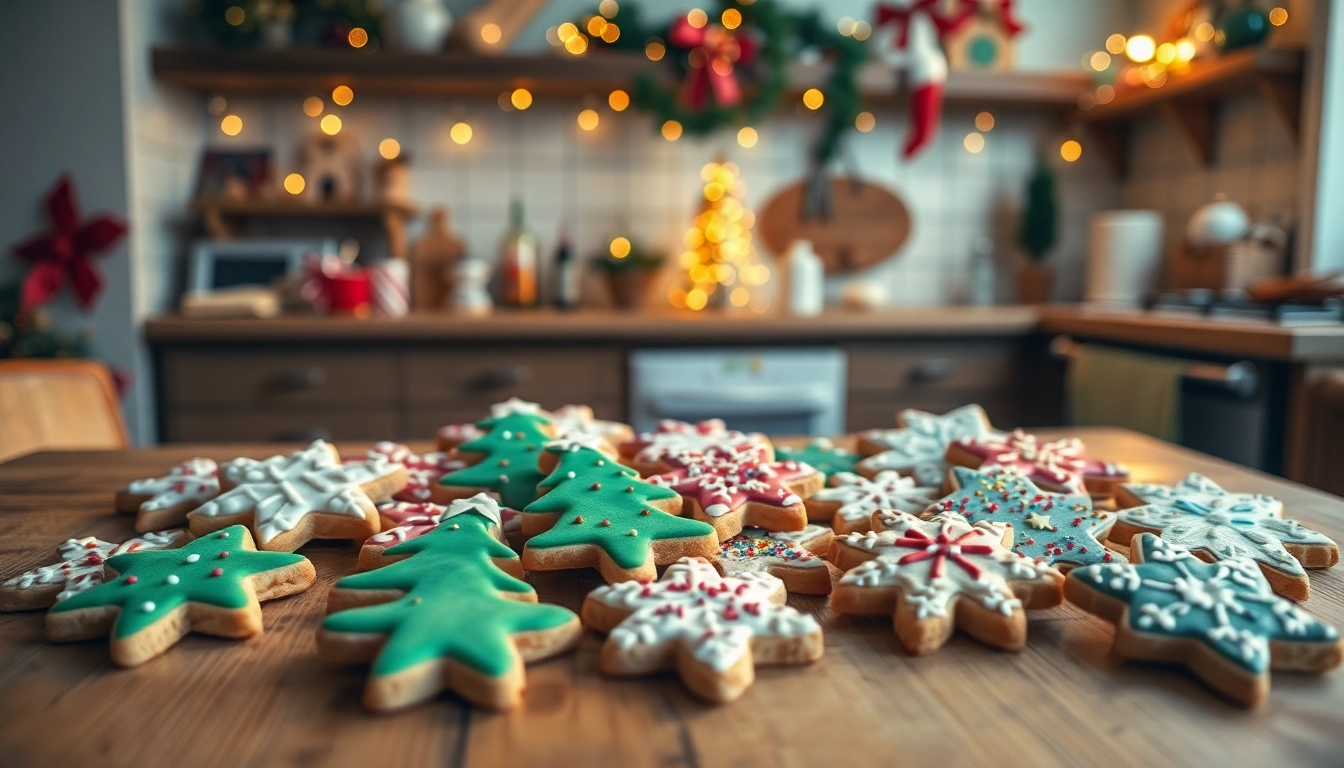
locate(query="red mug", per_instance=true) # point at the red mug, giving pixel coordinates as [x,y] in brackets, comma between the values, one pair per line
[349,294]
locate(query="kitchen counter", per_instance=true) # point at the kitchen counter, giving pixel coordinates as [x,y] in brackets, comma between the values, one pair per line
[1064,700]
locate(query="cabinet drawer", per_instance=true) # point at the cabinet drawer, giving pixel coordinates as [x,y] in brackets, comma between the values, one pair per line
[469,380]
[279,376]
[281,426]
[931,366]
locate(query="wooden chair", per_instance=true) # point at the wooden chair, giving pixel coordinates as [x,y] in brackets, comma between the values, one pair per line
[58,405]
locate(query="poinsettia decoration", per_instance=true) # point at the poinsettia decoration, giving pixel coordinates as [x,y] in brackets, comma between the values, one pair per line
[65,253]
[714,54]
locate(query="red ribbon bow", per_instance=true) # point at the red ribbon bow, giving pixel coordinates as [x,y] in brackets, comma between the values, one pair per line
[64,254]
[715,52]
[944,23]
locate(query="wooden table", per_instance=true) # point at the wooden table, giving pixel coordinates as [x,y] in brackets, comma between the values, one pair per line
[269,700]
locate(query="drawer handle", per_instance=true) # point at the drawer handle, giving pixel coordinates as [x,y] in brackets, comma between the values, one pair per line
[502,378]
[301,378]
[932,370]
[303,435]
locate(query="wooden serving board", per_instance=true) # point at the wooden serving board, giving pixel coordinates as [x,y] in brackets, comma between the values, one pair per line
[270,701]
[867,225]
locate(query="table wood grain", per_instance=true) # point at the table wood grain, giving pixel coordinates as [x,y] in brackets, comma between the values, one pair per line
[270,701]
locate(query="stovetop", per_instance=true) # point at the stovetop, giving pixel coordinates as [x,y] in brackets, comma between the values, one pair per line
[1236,305]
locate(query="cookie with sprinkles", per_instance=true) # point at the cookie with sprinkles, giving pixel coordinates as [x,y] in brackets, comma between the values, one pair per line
[1061,530]
[852,499]
[714,630]
[163,502]
[443,616]
[1222,620]
[731,489]
[596,513]
[938,575]
[411,521]
[79,569]
[423,472]
[791,557]
[822,455]
[504,461]
[649,451]
[1060,466]
[214,585]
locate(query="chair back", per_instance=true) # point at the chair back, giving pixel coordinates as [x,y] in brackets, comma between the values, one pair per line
[58,405]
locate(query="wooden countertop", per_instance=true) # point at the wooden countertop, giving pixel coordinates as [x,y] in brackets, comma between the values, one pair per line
[1064,700]
[600,325]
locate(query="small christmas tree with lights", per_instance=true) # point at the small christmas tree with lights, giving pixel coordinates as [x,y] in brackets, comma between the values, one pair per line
[719,267]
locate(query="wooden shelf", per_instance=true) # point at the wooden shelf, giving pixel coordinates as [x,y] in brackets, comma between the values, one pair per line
[281,207]
[456,74]
[1191,100]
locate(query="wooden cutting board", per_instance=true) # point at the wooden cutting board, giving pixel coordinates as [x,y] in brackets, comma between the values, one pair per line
[867,224]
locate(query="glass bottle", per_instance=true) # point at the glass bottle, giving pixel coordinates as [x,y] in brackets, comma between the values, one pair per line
[518,257]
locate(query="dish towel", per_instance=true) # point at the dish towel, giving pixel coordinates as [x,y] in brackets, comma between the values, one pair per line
[1116,388]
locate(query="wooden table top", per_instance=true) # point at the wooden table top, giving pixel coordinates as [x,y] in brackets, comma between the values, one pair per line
[1064,700]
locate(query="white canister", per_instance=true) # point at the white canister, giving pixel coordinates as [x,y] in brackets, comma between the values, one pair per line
[1124,256]
[807,280]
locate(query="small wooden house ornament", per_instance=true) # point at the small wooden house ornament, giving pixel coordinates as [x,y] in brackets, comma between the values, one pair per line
[985,40]
[332,168]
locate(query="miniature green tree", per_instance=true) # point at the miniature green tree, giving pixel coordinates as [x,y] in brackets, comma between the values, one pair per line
[1040,219]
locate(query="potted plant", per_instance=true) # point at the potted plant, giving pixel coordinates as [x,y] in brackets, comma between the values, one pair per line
[630,276]
[1037,236]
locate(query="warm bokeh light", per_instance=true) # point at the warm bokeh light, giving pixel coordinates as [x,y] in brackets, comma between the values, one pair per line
[697,18]
[217,105]
[1140,48]
[566,31]
[1204,32]
[1105,94]
[865,122]
[389,148]
[747,137]
[1116,44]
[1185,49]
[294,184]
[231,125]
[731,19]
[984,122]
[1070,150]
[235,16]
[714,191]
[974,142]
[1278,16]
[577,44]
[696,299]
[588,119]
[1100,61]
[671,130]
[618,100]
[845,26]
[655,50]
[813,98]
[460,133]
[521,98]
[342,95]
[358,37]
[862,30]
[611,34]
[491,33]
[313,106]
[620,247]
[739,297]
[1166,53]
[331,125]
[596,25]
[608,8]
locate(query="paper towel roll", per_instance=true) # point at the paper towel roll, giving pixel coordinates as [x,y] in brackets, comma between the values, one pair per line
[1124,256]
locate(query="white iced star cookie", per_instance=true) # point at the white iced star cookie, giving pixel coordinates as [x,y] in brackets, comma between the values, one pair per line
[163,502]
[852,499]
[918,448]
[310,494]
[712,629]
[79,569]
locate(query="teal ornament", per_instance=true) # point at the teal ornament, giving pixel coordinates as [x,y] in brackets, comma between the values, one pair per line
[1242,28]
[983,51]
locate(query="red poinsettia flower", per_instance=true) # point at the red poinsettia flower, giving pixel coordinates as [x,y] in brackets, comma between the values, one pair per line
[65,253]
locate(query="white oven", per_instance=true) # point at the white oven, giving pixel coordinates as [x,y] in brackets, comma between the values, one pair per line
[796,391]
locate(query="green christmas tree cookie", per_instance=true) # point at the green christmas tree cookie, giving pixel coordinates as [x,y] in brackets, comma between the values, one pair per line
[822,455]
[597,513]
[444,618]
[504,460]
[150,599]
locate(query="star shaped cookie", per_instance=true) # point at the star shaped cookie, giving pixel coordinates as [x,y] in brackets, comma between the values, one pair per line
[423,472]
[730,489]
[1059,466]
[1222,619]
[791,557]
[919,446]
[852,499]
[163,502]
[79,569]
[822,455]
[649,450]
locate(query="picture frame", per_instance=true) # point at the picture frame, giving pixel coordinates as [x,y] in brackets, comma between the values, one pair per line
[220,264]
[236,174]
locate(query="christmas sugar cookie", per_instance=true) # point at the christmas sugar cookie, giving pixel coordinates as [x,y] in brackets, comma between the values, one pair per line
[1222,620]
[79,569]
[452,435]
[502,462]
[852,499]
[713,630]
[444,616]
[598,514]
[573,420]
[730,489]
[163,502]
[422,472]
[213,585]
[1217,525]
[918,448]
[415,520]
[791,557]
[647,452]
[822,455]
[1061,530]
[310,494]
[1059,466]
[941,574]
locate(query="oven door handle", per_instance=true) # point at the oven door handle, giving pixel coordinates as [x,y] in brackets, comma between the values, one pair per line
[738,402]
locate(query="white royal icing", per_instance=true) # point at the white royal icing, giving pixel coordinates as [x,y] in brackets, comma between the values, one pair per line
[192,482]
[578,420]
[514,406]
[81,565]
[1199,495]
[756,550]
[860,497]
[918,448]
[282,490]
[712,616]
[673,437]
[932,562]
